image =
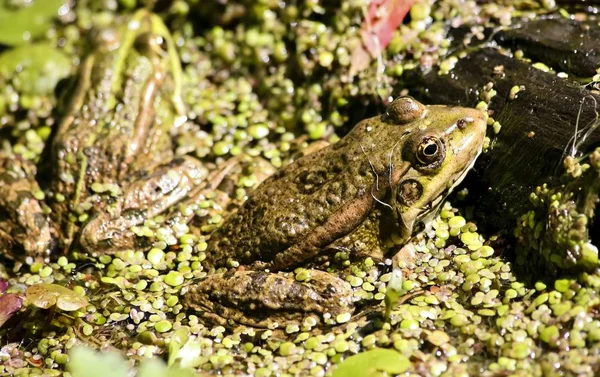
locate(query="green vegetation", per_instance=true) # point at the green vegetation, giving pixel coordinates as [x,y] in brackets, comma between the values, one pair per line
[261,80]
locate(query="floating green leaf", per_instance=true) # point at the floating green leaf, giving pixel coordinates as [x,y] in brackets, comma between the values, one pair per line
[183,351]
[85,362]
[373,363]
[190,355]
[177,340]
[24,24]
[157,368]
[393,292]
[47,295]
[35,69]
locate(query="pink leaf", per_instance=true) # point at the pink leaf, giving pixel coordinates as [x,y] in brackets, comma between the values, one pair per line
[385,16]
[9,305]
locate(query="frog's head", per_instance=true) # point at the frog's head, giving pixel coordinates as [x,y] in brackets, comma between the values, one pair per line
[441,145]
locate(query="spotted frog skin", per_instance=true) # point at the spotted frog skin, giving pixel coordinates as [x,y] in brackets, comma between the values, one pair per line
[112,140]
[359,196]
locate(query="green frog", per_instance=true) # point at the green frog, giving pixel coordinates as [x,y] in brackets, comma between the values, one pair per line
[359,196]
[112,167]
[110,154]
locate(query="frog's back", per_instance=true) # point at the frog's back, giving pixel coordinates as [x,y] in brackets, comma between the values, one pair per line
[299,199]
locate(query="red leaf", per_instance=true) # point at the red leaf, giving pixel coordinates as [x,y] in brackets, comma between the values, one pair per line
[9,305]
[385,16]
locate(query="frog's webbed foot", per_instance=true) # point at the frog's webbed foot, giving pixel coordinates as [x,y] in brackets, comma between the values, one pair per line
[259,299]
[23,224]
[144,198]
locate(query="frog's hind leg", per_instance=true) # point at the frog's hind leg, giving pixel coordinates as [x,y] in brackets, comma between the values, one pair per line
[260,299]
[199,191]
[144,198]
[181,181]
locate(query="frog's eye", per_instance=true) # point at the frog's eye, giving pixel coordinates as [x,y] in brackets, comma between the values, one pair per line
[409,191]
[151,44]
[103,40]
[404,110]
[431,151]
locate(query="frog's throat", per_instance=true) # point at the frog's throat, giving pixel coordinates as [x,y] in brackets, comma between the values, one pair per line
[427,216]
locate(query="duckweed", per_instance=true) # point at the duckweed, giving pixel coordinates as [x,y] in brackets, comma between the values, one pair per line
[287,349]
[473,299]
[343,318]
[457,222]
[174,278]
[438,338]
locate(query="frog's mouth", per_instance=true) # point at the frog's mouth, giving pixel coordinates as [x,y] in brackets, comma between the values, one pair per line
[462,175]
[425,218]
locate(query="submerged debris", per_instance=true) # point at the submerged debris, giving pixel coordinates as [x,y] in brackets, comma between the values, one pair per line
[557,227]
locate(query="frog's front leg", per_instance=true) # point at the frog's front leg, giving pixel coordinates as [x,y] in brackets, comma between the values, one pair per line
[260,299]
[144,198]
[23,222]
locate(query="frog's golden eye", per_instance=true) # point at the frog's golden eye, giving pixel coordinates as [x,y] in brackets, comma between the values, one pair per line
[103,40]
[409,191]
[403,110]
[431,151]
[151,44]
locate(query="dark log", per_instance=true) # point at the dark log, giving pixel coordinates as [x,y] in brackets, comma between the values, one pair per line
[563,44]
[538,126]
[585,6]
